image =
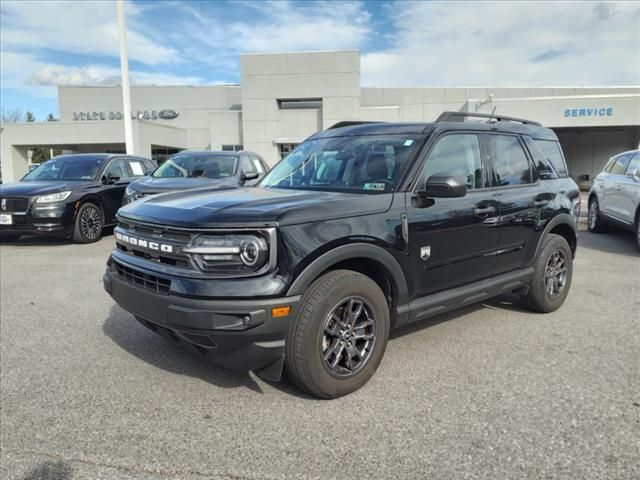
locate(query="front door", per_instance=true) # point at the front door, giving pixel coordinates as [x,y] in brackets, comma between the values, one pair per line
[613,199]
[452,241]
[116,178]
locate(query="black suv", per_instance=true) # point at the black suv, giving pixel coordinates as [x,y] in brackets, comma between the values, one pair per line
[69,196]
[362,228]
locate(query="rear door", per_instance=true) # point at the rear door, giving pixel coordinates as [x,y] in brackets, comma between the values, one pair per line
[521,197]
[630,190]
[614,199]
[452,241]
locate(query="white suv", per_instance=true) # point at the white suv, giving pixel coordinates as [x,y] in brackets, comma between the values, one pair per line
[615,195]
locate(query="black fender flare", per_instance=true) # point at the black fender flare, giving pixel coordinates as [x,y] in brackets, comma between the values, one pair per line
[560,219]
[339,254]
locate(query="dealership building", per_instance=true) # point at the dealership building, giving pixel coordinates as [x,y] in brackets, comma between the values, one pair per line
[284,98]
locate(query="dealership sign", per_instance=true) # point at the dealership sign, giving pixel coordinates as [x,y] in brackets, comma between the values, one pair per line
[589,112]
[139,115]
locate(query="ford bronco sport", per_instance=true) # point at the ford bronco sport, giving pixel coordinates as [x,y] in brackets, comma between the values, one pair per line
[362,228]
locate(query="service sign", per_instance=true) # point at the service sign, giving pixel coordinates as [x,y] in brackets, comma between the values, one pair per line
[166,114]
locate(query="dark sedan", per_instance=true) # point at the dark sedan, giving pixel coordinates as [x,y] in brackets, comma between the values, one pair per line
[69,196]
[195,169]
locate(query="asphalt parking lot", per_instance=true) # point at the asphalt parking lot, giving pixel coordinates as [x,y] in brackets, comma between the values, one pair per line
[490,391]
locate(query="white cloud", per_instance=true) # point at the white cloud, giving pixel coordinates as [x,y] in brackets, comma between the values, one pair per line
[78,27]
[509,43]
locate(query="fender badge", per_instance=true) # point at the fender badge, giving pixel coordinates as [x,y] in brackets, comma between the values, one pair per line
[425,252]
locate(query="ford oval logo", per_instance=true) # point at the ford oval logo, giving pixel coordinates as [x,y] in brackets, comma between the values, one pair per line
[168,114]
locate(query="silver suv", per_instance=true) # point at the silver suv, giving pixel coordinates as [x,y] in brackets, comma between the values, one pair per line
[615,195]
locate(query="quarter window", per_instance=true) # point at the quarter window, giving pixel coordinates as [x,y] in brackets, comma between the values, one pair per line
[456,155]
[620,164]
[510,163]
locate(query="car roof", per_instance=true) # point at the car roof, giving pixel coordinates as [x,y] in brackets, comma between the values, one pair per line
[215,152]
[446,121]
[636,150]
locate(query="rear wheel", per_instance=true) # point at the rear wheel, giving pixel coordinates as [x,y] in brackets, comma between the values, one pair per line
[339,335]
[595,223]
[89,224]
[553,270]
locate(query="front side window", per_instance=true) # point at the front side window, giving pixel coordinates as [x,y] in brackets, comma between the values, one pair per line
[456,155]
[257,164]
[360,164]
[620,164]
[634,164]
[199,165]
[510,163]
[117,169]
[67,168]
[246,165]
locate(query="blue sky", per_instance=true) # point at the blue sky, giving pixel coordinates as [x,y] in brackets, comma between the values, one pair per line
[47,43]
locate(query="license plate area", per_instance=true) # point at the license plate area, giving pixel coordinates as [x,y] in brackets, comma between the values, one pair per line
[6,219]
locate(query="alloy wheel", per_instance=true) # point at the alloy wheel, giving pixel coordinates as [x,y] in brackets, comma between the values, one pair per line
[349,336]
[91,223]
[593,215]
[555,277]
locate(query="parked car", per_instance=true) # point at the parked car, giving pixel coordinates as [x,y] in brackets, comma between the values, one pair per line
[33,166]
[614,198]
[360,229]
[69,196]
[194,169]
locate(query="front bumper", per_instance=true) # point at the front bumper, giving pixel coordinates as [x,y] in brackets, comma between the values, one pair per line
[48,220]
[238,334]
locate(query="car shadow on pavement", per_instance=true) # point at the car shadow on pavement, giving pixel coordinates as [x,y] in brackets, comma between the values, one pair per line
[614,240]
[123,329]
[45,240]
[131,336]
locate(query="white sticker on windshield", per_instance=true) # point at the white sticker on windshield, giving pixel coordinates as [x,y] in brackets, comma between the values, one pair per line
[408,143]
[373,186]
[136,168]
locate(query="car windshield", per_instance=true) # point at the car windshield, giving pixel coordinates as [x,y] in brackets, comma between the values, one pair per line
[200,165]
[363,164]
[67,168]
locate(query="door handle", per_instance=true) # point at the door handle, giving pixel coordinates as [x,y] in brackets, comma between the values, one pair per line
[484,210]
[540,203]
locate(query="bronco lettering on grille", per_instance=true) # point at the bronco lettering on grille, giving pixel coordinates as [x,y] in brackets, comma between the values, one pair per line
[139,242]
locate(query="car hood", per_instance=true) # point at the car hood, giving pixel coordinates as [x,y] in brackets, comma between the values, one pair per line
[149,185]
[35,188]
[252,206]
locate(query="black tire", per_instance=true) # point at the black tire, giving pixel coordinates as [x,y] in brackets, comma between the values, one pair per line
[8,238]
[542,296]
[315,334]
[595,222]
[638,231]
[89,224]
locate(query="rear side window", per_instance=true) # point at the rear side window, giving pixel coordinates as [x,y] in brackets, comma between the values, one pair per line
[620,164]
[551,150]
[510,163]
[540,160]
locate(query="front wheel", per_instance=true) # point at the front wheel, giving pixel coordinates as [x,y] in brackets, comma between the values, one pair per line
[552,272]
[339,335]
[638,232]
[88,225]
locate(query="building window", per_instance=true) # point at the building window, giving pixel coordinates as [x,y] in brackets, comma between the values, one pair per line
[232,148]
[160,155]
[286,149]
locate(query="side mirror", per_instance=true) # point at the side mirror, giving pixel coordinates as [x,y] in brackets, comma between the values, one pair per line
[635,174]
[445,186]
[109,179]
[249,176]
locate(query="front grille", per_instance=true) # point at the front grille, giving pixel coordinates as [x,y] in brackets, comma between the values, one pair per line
[159,235]
[14,204]
[151,282]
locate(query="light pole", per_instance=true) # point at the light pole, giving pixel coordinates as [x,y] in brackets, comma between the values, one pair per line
[124,73]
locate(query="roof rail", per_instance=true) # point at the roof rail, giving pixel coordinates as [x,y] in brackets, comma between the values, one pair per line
[460,116]
[348,123]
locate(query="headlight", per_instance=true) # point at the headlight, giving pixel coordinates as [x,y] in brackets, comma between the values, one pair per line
[54,197]
[231,253]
